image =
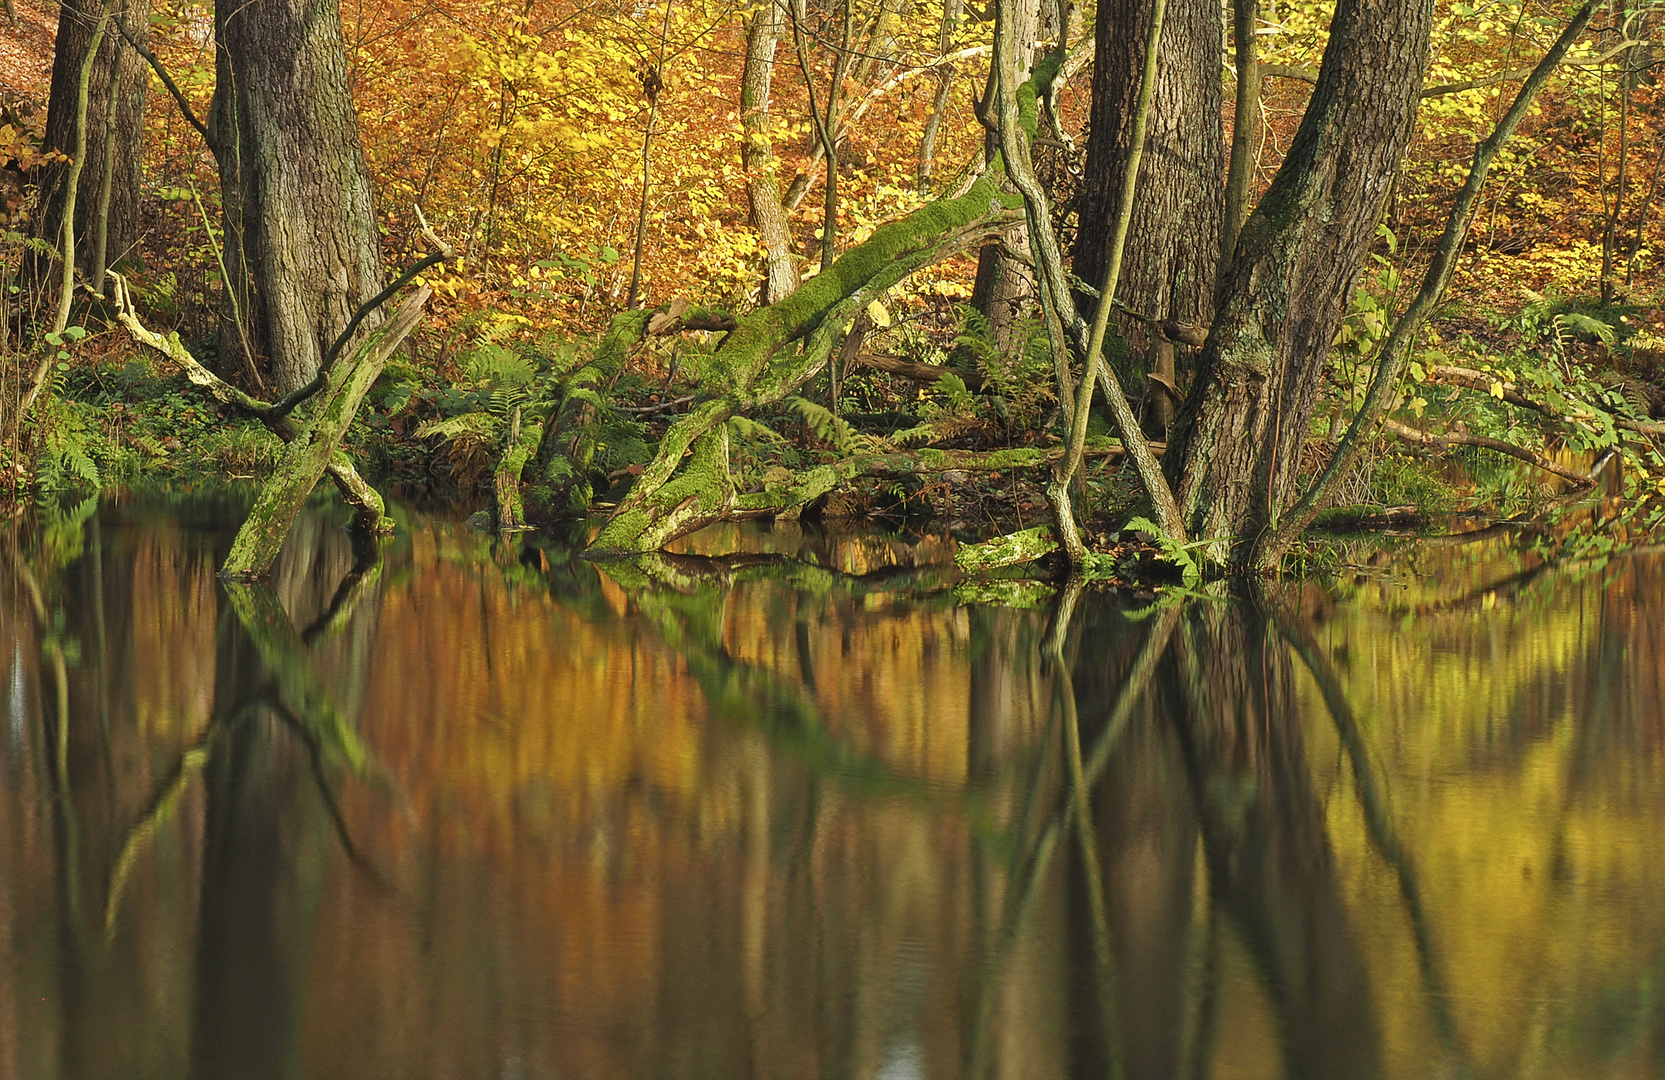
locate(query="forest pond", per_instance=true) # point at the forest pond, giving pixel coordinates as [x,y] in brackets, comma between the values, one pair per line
[484,810]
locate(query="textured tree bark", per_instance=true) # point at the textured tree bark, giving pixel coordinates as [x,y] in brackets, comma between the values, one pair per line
[1237,441]
[769,216]
[301,246]
[1173,242]
[115,119]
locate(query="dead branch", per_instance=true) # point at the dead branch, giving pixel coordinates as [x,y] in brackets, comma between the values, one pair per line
[918,372]
[1483,382]
[1519,453]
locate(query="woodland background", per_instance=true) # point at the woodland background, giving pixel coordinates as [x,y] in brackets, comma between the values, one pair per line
[538,137]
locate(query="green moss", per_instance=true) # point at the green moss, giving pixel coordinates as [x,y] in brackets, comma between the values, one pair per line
[1009,550]
[1034,88]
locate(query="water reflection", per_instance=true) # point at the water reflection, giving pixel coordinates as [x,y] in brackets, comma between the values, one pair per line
[481,811]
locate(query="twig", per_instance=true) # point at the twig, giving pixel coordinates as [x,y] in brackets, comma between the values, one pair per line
[658,407]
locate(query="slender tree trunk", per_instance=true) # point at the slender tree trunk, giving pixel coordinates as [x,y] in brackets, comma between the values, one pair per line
[115,123]
[653,82]
[1245,129]
[939,100]
[1173,243]
[769,216]
[1237,442]
[302,251]
[1004,289]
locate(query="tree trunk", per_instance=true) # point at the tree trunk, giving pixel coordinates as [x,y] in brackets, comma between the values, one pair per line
[115,129]
[769,216]
[1237,442]
[1173,243]
[301,246]
[1004,290]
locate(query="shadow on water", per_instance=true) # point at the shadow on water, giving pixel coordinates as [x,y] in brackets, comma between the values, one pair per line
[456,808]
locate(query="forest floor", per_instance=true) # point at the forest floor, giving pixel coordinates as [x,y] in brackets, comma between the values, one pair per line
[26,53]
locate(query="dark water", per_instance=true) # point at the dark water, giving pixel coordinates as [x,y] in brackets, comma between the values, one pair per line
[486,812]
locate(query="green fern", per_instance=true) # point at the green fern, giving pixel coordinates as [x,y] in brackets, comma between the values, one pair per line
[471,425]
[497,366]
[1576,322]
[750,431]
[830,428]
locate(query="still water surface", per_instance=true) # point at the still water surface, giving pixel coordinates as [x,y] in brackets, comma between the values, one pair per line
[490,812]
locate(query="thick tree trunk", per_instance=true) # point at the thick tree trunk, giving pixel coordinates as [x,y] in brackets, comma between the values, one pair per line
[1237,442]
[301,245]
[1173,242]
[769,215]
[115,129]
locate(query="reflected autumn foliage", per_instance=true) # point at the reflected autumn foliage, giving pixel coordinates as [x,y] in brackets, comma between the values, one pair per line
[485,811]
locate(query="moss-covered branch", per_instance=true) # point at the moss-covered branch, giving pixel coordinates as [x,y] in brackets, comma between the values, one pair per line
[775,350]
[371,511]
[314,446]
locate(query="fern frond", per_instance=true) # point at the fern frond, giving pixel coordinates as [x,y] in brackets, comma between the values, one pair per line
[751,431]
[918,435]
[1580,323]
[477,425]
[830,428]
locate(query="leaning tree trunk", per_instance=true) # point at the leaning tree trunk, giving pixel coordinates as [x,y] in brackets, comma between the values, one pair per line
[1173,241]
[111,176]
[1237,442]
[301,246]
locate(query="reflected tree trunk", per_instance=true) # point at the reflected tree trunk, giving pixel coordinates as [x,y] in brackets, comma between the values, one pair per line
[1229,686]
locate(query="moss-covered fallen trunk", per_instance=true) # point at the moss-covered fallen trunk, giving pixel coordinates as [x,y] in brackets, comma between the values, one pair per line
[774,351]
[325,453]
[316,442]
